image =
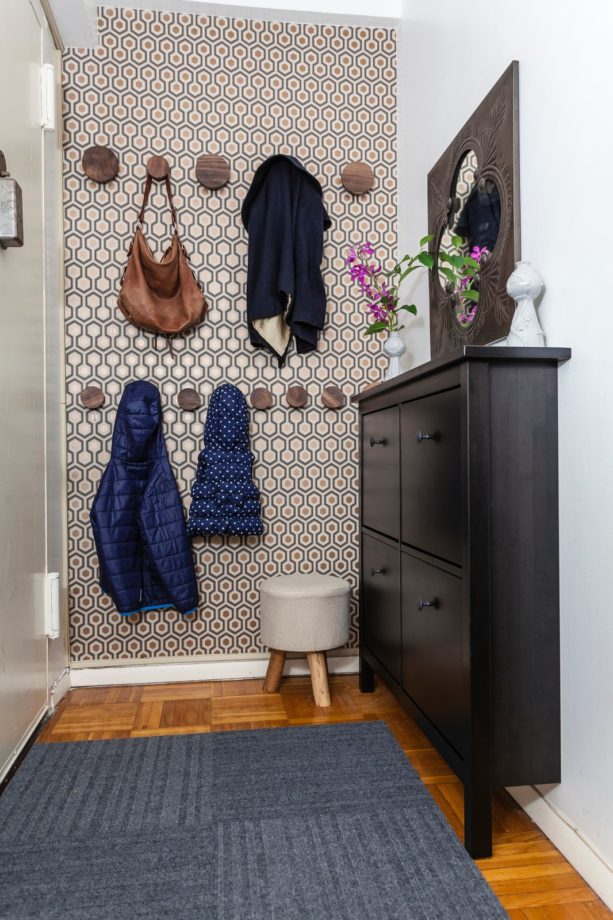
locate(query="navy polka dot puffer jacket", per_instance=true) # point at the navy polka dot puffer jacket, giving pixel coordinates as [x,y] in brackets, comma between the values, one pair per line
[224,498]
[138,521]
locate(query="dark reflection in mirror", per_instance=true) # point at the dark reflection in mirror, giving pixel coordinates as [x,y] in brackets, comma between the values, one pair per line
[479,220]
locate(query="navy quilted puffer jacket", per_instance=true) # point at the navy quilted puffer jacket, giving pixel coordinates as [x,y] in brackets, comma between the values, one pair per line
[137,517]
[225,500]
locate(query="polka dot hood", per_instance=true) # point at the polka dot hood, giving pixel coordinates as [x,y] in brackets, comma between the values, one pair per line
[224,498]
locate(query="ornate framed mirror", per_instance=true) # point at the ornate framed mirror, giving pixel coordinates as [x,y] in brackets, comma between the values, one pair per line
[473,217]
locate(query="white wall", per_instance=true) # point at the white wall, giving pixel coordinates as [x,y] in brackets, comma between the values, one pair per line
[391,8]
[451,55]
[32,492]
[76,19]
[77,22]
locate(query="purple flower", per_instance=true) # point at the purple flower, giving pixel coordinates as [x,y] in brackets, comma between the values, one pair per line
[367,249]
[478,252]
[359,273]
[378,312]
[351,257]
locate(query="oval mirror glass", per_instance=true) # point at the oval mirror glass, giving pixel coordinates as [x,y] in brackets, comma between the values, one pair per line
[469,237]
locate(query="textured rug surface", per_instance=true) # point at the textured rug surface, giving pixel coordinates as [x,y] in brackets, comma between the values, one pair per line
[328,822]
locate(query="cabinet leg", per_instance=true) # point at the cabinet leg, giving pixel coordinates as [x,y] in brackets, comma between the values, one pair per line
[367,677]
[478,821]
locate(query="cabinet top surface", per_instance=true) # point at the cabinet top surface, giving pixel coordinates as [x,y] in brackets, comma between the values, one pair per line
[467,353]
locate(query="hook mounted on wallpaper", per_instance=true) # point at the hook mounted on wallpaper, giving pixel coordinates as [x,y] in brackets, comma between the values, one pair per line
[158,167]
[212,171]
[100,164]
[261,398]
[92,397]
[297,397]
[357,178]
[333,398]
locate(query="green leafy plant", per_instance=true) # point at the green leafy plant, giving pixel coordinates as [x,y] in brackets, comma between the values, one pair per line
[382,288]
[462,274]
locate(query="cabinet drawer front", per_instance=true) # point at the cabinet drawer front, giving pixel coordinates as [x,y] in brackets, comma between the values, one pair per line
[432,476]
[435,654]
[380,603]
[381,471]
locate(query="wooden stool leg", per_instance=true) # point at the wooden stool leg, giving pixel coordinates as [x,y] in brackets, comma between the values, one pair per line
[319,677]
[272,681]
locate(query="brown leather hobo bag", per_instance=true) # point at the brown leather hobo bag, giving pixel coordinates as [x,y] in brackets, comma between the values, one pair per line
[164,297]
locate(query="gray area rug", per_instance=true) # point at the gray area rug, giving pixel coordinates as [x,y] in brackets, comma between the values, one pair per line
[323,822]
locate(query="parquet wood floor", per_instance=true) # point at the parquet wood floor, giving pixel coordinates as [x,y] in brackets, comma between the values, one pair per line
[531,878]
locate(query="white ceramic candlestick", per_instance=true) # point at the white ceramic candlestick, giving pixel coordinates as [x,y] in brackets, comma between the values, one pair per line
[524,286]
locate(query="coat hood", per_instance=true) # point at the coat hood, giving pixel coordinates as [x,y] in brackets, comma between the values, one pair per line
[138,430]
[227,424]
[261,174]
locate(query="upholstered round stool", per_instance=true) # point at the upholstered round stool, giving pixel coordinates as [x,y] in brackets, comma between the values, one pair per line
[304,613]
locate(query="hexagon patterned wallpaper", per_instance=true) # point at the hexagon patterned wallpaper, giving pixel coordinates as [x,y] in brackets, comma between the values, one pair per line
[183,85]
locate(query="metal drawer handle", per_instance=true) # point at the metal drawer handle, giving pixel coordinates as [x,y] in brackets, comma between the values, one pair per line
[374,571]
[421,603]
[421,436]
[374,441]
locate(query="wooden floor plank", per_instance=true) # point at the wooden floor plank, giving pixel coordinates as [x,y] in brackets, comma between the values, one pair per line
[544,898]
[89,717]
[532,878]
[186,713]
[249,708]
[185,691]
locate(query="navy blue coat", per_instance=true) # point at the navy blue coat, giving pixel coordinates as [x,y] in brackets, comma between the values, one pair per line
[284,215]
[224,499]
[137,517]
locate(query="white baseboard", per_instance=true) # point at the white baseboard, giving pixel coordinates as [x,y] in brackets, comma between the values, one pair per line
[59,688]
[6,766]
[567,838]
[236,669]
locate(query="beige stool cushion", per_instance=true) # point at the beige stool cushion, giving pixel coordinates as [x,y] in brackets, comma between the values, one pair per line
[304,613]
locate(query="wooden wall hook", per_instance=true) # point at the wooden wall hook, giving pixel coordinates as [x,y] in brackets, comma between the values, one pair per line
[212,171]
[100,164]
[261,398]
[297,397]
[333,398]
[92,397]
[189,399]
[358,178]
[158,167]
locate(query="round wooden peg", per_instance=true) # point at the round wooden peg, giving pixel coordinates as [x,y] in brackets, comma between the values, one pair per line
[261,398]
[333,398]
[100,164]
[189,399]
[297,397]
[358,178]
[92,397]
[157,167]
[212,171]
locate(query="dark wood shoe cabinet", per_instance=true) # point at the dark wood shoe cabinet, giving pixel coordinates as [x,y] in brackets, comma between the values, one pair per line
[459,597]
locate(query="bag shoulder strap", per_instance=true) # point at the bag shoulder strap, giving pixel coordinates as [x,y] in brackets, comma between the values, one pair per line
[173,212]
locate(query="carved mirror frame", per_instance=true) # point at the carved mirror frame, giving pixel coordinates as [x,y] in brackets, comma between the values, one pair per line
[492,132]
